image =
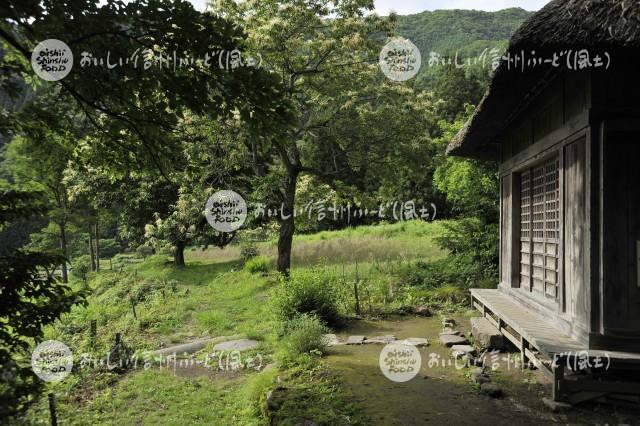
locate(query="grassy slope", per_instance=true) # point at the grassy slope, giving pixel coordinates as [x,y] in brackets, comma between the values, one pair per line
[211,296]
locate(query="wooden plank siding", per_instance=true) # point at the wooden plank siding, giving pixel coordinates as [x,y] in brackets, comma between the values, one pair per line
[575,301]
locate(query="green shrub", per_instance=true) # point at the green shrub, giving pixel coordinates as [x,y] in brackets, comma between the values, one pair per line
[109,247]
[144,251]
[473,243]
[248,250]
[304,334]
[146,289]
[257,264]
[81,266]
[306,292]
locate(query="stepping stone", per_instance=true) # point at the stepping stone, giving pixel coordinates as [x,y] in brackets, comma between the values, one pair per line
[331,340]
[386,339]
[448,322]
[467,349]
[237,345]
[192,346]
[451,339]
[450,333]
[480,377]
[486,334]
[556,406]
[416,341]
[355,340]
[422,311]
[458,354]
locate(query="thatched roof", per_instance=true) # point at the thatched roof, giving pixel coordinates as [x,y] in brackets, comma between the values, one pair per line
[560,25]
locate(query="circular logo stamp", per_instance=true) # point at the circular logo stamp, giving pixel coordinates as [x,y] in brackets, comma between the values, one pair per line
[52,361]
[226,211]
[400,59]
[400,362]
[52,59]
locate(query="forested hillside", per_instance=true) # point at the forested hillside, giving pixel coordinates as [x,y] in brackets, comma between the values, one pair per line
[468,32]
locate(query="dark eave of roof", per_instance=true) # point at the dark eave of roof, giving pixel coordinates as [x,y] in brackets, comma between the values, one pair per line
[560,25]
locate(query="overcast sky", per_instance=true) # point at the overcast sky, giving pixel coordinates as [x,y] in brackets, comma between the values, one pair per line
[406,7]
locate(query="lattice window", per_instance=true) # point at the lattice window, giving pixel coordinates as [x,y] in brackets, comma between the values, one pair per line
[525,229]
[540,228]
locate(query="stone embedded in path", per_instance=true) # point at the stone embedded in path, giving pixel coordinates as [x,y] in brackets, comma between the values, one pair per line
[450,333]
[556,406]
[386,339]
[458,354]
[237,345]
[480,377]
[416,341]
[467,349]
[192,346]
[422,311]
[448,322]
[331,340]
[355,340]
[451,339]
[486,334]
[491,390]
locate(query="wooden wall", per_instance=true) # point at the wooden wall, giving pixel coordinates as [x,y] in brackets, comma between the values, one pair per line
[621,233]
[555,123]
[576,300]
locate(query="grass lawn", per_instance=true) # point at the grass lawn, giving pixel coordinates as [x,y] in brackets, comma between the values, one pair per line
[214,296]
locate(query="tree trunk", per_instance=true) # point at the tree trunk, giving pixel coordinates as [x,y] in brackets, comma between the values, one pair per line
[97,238]
[178,257]
[91,253]
[63,247]
[287,224]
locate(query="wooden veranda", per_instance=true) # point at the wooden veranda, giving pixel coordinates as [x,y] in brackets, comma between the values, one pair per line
[546,347]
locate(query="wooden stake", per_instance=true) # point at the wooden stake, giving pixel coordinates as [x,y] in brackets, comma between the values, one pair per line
[52,409]
[93,327]
[133,308]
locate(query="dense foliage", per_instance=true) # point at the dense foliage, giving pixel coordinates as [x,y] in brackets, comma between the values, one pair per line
[465,32]
[31,296]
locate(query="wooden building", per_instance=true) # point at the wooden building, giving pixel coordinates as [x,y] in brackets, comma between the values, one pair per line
[563,122]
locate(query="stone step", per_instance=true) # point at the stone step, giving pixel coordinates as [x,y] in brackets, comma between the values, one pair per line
[485,334]
[451,339]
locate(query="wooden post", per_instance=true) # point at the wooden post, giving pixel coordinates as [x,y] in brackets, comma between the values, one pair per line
[52,409]
[97,239]
[133,308]
[355,294]
[355,291]
[92,254]
[93,332]
[557,368]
